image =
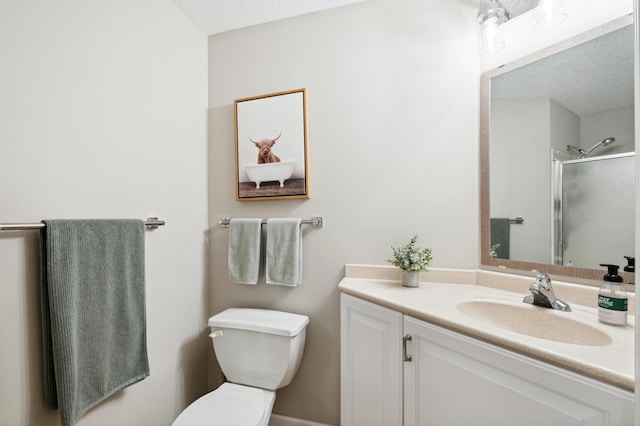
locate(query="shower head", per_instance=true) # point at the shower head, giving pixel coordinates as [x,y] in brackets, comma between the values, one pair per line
[604,142]
[607,141]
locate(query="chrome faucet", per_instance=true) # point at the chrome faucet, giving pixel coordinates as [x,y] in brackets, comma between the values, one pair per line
[542,294]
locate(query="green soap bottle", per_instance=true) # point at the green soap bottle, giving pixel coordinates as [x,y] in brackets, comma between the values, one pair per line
[612,298]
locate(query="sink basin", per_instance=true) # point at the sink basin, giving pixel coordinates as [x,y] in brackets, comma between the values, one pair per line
[535,321]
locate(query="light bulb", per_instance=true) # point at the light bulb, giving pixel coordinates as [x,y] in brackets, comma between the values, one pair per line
[490,39]
[491,15]
[549,14]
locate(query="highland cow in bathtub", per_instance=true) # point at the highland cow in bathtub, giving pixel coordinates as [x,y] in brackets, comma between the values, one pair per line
[269,166]
[265,155]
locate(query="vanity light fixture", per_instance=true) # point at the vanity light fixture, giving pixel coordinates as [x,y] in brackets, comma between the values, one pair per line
[548,14]
[491,15]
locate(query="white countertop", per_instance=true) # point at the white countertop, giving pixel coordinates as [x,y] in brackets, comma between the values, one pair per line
[440,292]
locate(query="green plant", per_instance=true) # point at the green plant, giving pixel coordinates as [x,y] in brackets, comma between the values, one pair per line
[492,251]
[410,257]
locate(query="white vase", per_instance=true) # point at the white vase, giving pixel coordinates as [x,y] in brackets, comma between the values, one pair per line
[410,278]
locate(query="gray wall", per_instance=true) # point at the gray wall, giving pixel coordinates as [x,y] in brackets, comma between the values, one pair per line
[617,122]
[104,116]
[393,138]
[520,144]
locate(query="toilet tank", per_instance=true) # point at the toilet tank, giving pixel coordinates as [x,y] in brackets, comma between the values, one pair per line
[258,347]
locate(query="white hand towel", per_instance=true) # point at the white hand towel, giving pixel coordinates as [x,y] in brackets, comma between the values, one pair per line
[244,250]
[284,252]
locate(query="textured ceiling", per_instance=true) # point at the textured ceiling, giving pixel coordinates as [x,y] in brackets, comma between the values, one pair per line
[216,16]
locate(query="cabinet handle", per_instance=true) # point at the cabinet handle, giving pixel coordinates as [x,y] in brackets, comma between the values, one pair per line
[405,339]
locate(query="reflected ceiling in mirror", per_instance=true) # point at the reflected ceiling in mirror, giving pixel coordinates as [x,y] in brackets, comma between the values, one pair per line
[591,77]
[577,93]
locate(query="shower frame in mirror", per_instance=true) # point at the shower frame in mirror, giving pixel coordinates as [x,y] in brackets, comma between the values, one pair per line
[518,266]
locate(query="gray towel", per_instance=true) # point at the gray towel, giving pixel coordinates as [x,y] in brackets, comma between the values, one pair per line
[501,237]
[244,250]
[93,311]
[284,252]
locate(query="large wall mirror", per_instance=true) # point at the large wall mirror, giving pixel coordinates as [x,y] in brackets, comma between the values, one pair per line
[557,157]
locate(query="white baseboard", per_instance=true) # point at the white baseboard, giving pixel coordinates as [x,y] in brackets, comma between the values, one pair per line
[278,420]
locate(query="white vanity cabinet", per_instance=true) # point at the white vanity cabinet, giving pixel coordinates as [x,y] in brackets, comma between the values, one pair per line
[370,364]
[452,379]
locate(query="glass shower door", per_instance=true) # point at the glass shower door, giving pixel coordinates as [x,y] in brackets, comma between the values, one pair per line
[594,211]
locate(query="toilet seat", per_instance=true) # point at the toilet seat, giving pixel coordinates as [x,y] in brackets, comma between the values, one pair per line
[229,405]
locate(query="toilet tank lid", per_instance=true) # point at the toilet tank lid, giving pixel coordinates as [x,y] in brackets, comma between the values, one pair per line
[261,320]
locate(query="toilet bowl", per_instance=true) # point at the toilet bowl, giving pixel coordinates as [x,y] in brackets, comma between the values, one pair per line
[259,351]
[230,404]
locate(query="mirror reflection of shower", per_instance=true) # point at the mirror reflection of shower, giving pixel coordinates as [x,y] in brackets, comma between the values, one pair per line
[581,153]
[593,209]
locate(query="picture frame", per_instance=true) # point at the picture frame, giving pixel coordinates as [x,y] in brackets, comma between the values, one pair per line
[272,160]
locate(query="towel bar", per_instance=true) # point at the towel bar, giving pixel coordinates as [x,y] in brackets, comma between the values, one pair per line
[150,223]
[315,221]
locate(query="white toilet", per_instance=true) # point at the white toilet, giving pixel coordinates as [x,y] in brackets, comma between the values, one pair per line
[259,351]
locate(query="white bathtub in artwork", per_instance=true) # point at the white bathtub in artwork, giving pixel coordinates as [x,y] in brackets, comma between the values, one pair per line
[268,172]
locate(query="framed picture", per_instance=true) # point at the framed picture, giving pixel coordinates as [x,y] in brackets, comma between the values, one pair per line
[271,146]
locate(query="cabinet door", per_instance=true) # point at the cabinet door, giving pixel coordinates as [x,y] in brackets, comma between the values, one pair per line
[456,380]
[370,364]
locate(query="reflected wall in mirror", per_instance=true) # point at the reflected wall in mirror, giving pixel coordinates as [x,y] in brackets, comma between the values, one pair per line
[545,120]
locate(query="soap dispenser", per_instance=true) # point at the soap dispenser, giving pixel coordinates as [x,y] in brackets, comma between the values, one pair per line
[631,266]
[612,298]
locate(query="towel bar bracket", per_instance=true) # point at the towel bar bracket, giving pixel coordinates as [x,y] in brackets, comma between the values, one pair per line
[153,223]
